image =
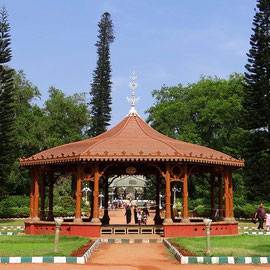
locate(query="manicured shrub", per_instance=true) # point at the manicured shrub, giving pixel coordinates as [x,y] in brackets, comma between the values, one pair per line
[14,206]
[67,202]
[201,211]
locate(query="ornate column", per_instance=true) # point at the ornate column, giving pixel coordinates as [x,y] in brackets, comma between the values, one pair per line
[36,196]
[78,214]
[95,218]
[231,214]
[185,218]
[106,218]
[32,194]
[212,191]
[51,184]
[221,216]
[226,195]
[42,197]
[168,214]
[157,217]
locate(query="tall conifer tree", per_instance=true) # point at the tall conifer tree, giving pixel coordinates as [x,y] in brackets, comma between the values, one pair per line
[257,105]
[7,111]
[101,86]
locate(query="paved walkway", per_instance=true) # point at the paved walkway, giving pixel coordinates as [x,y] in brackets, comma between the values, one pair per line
[130,257]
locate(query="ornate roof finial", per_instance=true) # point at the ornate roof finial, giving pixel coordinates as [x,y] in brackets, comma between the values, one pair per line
[133,85]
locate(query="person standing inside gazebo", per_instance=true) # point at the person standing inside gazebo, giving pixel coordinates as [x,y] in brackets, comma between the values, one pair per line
[135,214]
[128,214]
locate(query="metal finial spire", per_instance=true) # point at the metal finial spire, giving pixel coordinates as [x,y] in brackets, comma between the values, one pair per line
[133,85]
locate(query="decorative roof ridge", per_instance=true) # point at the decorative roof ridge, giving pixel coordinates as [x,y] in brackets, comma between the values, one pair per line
[105,139]
[153,137]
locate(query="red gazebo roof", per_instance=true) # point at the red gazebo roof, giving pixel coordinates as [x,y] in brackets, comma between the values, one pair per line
[131,140]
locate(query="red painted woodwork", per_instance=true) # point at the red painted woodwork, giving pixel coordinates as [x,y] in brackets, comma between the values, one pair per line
[132,139]
[69,228]
[198,229]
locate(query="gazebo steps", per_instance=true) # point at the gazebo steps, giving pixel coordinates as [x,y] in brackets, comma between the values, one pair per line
[131,230]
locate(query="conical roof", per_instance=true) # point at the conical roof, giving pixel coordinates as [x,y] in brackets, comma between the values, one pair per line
[131,140]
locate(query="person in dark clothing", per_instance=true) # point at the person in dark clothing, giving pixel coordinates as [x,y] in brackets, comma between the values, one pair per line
[135,215]
[260,214]
[128,214]
[145,214]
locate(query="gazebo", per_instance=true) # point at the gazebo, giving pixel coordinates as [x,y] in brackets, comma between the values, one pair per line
[131,147]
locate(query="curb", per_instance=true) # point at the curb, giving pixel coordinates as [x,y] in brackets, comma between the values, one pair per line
[247,228]
[131,241]
[2,228]
[215,260]
[78,260]
[257,233]
[9,233]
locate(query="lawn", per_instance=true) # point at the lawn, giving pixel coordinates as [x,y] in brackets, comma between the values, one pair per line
[237,246]
[38,245]
[17,231]
[11,223]
[247,223]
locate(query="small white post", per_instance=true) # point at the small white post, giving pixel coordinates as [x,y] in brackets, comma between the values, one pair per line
[58,223]
[207,223]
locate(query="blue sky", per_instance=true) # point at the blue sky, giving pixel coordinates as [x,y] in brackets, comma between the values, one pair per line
[164,42]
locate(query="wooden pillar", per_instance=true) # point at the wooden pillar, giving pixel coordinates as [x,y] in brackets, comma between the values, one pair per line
[157,217]
[32,194]
[78,214]
[36,197]
[226,195]
[95,218]
[231,214]
[51,184]
[168,214]
[185,218]
[172,200]
[221,215]
[212,195]
[106,218]
[91,200]
[42,197]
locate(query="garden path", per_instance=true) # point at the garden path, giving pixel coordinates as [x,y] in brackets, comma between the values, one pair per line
[130,257]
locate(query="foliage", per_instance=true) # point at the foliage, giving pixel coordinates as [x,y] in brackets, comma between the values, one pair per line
[101,86]
[7,112]
[67,202]
[15,206]
[233,245]
[257,105]
[66,118]
[63,119]
[205,113]
[39,245]
[202,211]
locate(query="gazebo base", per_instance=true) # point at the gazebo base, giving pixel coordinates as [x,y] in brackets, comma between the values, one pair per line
[198,229]
[85,229]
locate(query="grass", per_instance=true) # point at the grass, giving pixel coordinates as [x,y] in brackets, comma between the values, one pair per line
[222,246]
[38,245]
[11,223]
[17,231]
[247,224]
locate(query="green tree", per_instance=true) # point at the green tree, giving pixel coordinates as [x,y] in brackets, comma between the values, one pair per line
[67,118]
[257,105]
[29,130]
[101,86]
[6,102]
[206,113]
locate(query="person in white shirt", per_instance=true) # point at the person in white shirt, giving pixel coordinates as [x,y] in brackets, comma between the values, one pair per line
[139,216]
